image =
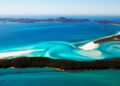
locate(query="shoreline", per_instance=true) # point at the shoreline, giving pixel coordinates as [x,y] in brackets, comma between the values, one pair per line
[59,64]
[108,39]
[95,44]
[62,69]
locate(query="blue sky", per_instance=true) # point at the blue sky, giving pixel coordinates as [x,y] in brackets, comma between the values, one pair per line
[59,7]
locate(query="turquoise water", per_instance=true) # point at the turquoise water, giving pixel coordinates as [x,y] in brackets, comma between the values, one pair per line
[49,77]
[58,41]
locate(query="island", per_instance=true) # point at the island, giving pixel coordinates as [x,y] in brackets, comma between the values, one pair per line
[59,64]
[107,22]
[108,39]
[59,19]
[27,20]
[95,44]
[63,64]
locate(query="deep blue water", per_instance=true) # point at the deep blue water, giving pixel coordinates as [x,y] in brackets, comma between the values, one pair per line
[59,41]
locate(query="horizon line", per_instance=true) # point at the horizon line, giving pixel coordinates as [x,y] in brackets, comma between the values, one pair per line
[59,14]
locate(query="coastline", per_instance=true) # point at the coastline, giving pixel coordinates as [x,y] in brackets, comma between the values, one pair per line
[56,20]
[102,40]
[59,64]
[95,44]
[108,39]
[58,69]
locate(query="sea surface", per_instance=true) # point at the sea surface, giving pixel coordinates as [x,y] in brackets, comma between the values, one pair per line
[49,77]
[58,41]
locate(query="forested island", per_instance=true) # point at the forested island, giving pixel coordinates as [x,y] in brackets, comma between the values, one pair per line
[108,39]
[59,19]
[59,64]
[107,22]
[27,20]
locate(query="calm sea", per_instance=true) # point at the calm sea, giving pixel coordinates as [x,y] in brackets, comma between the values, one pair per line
[59,41]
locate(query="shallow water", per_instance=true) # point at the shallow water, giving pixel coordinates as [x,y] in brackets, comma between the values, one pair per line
[58,41]
[45,77]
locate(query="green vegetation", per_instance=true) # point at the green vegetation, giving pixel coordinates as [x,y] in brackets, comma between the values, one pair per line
[42,62]
[108,39]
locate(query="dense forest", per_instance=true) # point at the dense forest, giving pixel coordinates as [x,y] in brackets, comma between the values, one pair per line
[66,65]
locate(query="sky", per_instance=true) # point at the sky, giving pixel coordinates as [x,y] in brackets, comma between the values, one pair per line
[59,7]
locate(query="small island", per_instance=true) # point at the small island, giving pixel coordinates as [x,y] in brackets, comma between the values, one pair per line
[59,64]
[57,20]
[27,20]
[107,22]
[108,39]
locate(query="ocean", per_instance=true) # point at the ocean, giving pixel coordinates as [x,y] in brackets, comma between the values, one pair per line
[49,77]
[58,41]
